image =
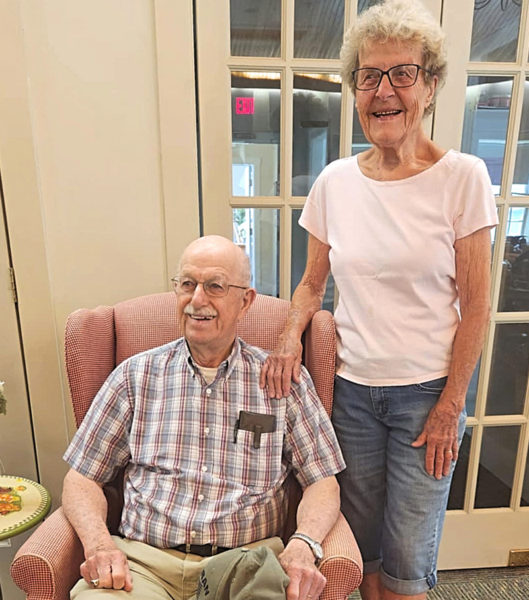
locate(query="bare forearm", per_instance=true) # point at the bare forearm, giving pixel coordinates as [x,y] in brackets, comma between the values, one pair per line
[467,347]
[473,283]
[319,508]
[85,506]
[306,300]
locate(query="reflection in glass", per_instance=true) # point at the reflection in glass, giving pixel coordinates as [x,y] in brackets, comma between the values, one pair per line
[514,287]
[509,369]
[496,466]
[256,231]
[456,500]
[299,257]
[495,30]
[520,183]
[318,28]
[255,28]
[488,101]
[255,117]
[360,142]
[316,127]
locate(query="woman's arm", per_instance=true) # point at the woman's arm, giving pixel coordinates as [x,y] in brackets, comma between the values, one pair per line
[473,257]
[284,363]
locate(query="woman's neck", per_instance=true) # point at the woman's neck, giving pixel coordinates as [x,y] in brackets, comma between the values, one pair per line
[388,163]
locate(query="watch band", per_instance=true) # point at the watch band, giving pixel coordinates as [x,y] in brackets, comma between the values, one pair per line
[313,545]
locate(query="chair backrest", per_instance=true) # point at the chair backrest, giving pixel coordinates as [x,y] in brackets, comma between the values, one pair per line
[96,340]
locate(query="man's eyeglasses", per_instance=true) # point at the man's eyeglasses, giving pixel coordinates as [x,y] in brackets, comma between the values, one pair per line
[399,76]
[216,287]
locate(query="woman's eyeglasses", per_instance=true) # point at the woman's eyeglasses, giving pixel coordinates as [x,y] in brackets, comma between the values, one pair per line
[399,76]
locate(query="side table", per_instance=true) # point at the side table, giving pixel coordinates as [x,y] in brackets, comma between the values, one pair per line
[23,504]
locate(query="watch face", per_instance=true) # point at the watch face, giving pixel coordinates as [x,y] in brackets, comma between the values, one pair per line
[318,550]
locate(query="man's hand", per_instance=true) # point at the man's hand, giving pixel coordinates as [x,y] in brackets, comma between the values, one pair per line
[306,582]
[107,566]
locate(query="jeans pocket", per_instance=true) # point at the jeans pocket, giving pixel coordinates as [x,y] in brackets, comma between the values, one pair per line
[435,386]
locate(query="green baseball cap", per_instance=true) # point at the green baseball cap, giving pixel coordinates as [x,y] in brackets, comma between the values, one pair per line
[243,574]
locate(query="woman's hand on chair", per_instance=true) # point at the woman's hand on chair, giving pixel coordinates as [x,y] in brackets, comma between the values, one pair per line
[282,367]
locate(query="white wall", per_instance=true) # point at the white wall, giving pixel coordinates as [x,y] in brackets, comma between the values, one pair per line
[98,162]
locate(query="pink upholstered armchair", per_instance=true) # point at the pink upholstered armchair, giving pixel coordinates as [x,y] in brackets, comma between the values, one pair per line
[47,565]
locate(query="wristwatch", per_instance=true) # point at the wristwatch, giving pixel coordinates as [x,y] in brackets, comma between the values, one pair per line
[315,546]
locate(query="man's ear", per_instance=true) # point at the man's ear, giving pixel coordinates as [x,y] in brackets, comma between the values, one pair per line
[249,296]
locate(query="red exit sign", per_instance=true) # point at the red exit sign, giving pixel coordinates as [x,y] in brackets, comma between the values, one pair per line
[244,106]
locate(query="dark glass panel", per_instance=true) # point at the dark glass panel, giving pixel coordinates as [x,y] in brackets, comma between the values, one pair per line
[255,27]
[299,258]
[496,466]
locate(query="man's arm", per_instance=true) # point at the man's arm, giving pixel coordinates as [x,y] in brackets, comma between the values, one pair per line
[317,513]
[85,506]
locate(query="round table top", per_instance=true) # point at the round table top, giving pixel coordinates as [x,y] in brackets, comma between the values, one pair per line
[23,503]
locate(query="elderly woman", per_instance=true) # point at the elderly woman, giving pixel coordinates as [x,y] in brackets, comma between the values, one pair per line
[405,229]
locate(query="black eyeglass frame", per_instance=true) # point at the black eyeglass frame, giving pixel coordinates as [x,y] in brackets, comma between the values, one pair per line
[205,286]
[387,72]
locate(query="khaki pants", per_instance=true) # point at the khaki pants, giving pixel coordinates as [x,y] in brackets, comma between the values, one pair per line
[158,574]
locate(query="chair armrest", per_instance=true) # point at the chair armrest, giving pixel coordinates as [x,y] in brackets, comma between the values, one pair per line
[342,564]
[46,566]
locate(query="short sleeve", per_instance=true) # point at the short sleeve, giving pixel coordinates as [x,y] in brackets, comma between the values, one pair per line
[100,445]
[476,207]
[310,442]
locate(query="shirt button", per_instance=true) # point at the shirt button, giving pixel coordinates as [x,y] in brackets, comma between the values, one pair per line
[208,392]
[200,497]
[206,430]
[193,535]
[204,469]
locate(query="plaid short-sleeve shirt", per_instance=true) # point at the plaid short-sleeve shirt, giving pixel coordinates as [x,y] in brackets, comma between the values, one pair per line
[188,477]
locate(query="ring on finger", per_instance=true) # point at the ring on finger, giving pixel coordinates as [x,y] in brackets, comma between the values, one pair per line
[94,582]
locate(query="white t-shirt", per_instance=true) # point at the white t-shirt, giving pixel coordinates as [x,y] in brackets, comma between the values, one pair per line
[393,260]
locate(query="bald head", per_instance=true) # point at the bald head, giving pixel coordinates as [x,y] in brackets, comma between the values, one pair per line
[209,312]
[221,249]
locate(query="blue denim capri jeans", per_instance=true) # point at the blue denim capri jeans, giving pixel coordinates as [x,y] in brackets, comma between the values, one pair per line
[395,509]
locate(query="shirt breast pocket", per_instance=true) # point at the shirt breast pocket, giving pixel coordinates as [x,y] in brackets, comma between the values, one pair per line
[260,468]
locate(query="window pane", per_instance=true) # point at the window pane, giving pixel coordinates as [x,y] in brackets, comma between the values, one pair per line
[316,127]
[509,369]
[495,30]
[456,500]
[256,231]
[318,28]
[496,466]
[472,392]
[255,117]
[514,290]
[360,142]
[488,101]
[521,170]
[365,4]
[255,28]
[299,257]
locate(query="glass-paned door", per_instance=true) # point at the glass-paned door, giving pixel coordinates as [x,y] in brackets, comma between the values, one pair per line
[488,513]
[273,113]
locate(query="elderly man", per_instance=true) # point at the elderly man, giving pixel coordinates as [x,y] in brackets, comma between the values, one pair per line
[206,452]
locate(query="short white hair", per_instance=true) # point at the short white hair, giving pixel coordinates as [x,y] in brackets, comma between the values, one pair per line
[401,21]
